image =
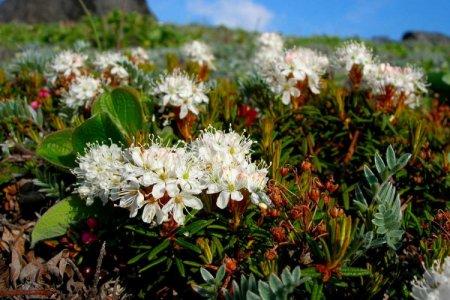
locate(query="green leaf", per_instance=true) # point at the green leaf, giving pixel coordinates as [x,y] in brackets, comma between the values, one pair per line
[155,251]
[403,160]
[166,135]
[142,231]
[55,221]
[180,266]
[57,149]
[252,296]
[264,290]
[360,199]
[379,163]
[354,272]
[153,264]
[275,283]
[390,157]
[220,274]
[98,129]
[370,177]
[446,78]
[124,107]
[286,277]
[194,227]
[187,245]
[206,275]
[137,258]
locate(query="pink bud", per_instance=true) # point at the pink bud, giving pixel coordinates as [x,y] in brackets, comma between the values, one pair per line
[35,104]
[88,237]
[44,93]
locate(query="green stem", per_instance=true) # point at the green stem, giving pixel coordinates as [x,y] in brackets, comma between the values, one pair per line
[91,21]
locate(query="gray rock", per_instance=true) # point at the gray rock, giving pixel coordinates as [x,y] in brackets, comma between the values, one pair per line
[42,11]
[427,37]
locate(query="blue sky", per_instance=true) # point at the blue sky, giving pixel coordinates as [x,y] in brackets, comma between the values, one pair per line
[313,17]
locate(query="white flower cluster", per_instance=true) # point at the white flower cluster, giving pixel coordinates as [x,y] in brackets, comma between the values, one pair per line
[110,62]
[353,53]
[382,78]
[230,171]
[179,90]
[270,41]
[270,46]
[407,82]
[200,53]
[82,92]
[435,284]
[284,73]
[67,63]
[101,169]
[139,56]
[164,181]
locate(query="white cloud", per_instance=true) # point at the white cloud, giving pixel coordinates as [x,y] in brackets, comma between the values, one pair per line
[244,14]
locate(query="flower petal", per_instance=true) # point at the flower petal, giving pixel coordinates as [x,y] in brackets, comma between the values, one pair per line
[149,212]
[237,196]
[193,202]
[158,190]
[222,200]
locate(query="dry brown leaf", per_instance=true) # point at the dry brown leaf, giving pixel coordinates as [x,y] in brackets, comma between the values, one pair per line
[57,264]
[30,272]
[15,266]
[4,274]
[7,238]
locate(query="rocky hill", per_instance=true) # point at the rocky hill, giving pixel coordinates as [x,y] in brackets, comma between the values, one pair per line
[41,11]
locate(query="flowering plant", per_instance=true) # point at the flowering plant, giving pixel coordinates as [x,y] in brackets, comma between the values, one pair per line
[194,178]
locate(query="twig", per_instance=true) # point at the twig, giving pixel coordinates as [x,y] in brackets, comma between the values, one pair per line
[352,148]
[76,270]
[91,21]
[99,266]
[13,293]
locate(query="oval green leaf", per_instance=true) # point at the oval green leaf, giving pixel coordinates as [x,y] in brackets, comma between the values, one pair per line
[57,149]
[98,129]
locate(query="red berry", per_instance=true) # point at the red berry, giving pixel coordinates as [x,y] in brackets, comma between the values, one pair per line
[88,237]
[92,223]
[284,171]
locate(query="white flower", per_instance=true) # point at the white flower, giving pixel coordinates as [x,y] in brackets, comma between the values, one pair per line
[189,175]
[200,53]
[178,90]
[289,89]
[130,196]
[111,62]
[215,147]
[139,56]
[408,82]
[99,172]
[435,284]
[68,63]
[108,59]
[256,181]
[151,210]
[119,72]
[229,184]
[163,178]
[270,48]
[270,41]
[353,53]
[179,200]
[303,63]
[82,92]
[282,71]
